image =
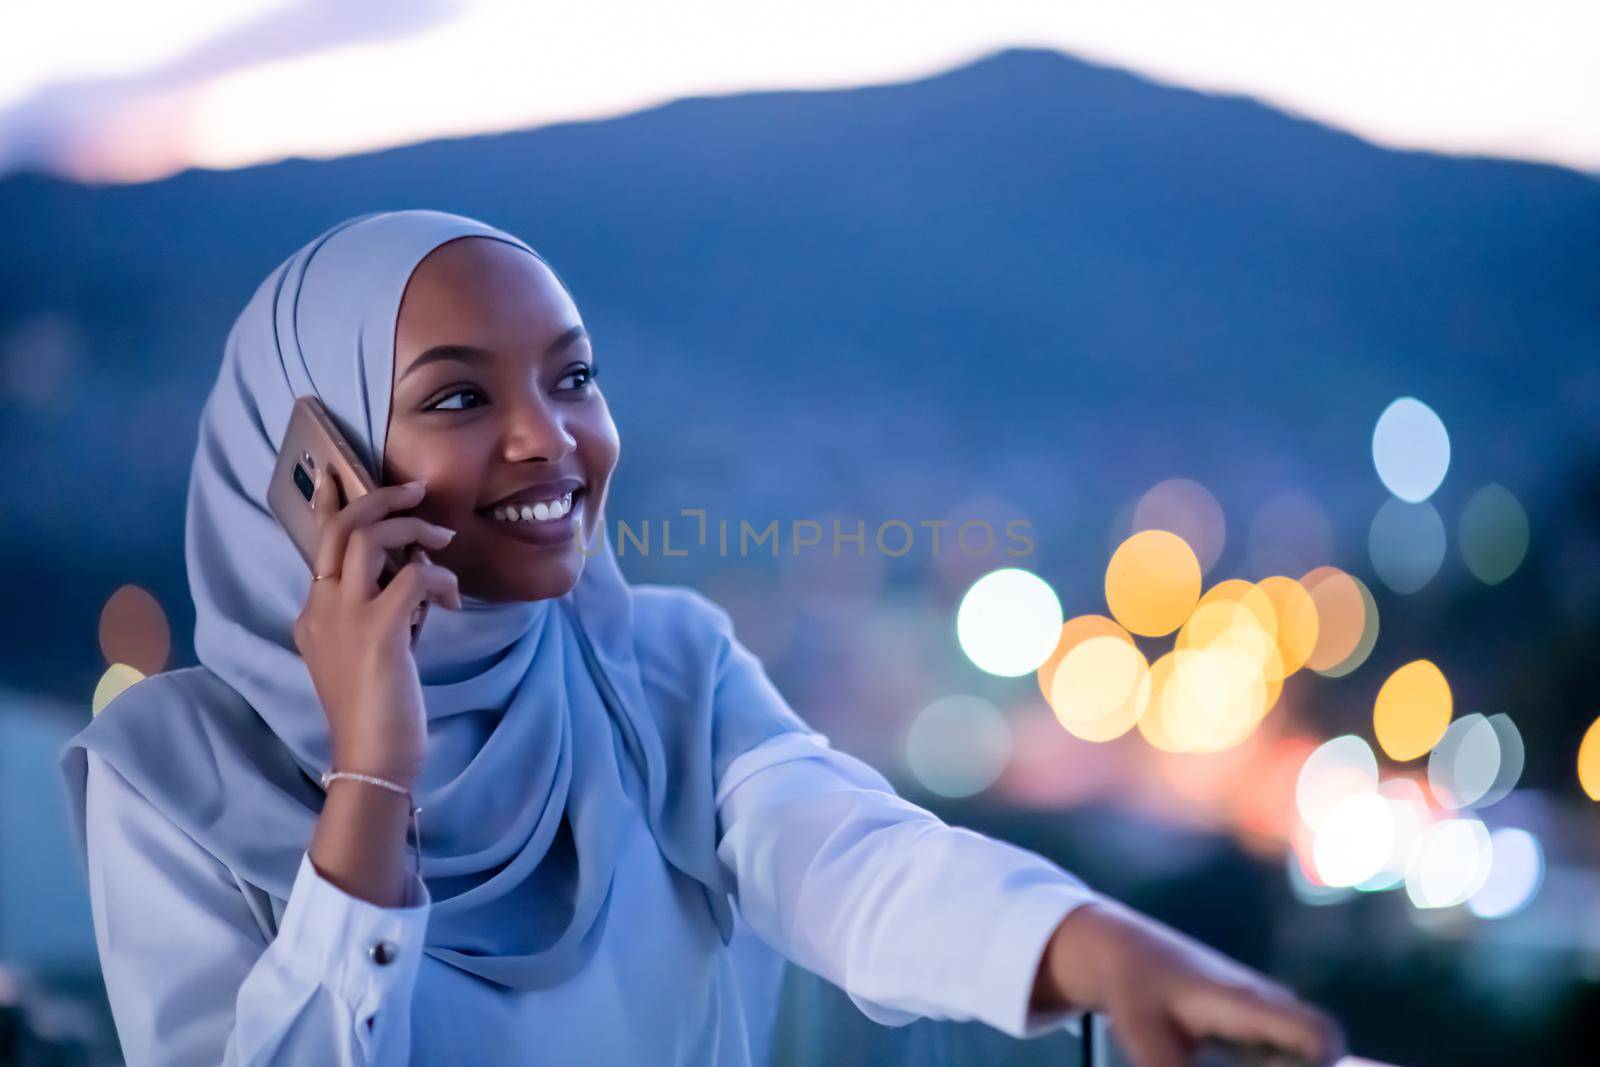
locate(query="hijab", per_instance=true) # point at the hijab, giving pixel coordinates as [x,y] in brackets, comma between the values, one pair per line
[548,720]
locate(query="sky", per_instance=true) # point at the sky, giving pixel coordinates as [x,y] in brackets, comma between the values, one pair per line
[105,91]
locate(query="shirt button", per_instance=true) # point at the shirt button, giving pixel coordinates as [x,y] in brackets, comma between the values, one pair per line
[383,953]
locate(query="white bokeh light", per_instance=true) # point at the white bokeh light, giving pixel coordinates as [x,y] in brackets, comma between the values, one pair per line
[1452,863]
[1354,839]
[1009,622]
[1515,875]
[1411,449]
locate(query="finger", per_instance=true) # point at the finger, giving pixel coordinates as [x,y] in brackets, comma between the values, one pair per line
[324,505]
[1248,1014]
[415,583]
[1151,1040]
[367,551]
[334,530]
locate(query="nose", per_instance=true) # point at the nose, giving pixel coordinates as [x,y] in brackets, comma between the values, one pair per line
[537,432]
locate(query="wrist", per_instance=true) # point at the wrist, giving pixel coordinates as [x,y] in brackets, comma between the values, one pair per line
[1077,958]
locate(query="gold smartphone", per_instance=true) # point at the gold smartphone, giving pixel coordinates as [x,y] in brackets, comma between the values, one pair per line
[311,444]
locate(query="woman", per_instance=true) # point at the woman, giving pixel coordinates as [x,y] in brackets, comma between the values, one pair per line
[613,794]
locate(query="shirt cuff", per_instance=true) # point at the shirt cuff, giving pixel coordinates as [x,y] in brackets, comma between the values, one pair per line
[363,952]
[1016,944]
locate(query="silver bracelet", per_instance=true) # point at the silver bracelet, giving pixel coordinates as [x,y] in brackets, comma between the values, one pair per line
[416,827]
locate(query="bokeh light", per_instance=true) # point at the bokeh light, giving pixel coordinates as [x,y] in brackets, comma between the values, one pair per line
[117,677]
[1074,632]
[1406,544]
[1412,711]
[1354,839]
[958,745]
[1152,583]
[1101,688]
[1211,701]
[1589,761]
[1338,768]
[1493,534]
[1468,763]
[1411,449]
[133,630]
[1296,613]
[1516,871]
[1009,622]
[1343,620]
[1408,808]
[1452,863]
[1184,507]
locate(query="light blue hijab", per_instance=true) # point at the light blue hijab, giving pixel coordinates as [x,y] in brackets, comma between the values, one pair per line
[547,719]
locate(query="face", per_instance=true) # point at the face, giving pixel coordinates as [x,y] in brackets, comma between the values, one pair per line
[494,405]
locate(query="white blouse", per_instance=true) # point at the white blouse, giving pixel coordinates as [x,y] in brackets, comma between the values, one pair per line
[911,917]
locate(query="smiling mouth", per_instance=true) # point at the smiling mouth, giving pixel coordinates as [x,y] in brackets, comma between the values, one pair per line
[543,522]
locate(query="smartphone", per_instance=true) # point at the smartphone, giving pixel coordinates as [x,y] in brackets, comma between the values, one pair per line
[313,444]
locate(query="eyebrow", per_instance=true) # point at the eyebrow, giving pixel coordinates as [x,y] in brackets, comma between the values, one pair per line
[474,354]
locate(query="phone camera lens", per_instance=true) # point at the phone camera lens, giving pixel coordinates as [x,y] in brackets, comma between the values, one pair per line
[303,481]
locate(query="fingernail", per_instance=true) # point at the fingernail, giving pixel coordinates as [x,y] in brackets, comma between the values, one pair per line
[448,532]
[414,485]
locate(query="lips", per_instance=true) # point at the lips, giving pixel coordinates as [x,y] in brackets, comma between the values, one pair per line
[532,494]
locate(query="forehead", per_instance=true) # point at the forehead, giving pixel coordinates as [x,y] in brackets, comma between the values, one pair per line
[484,292]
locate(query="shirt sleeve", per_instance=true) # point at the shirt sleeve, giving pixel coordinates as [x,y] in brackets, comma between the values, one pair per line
[908,915]
[190,976]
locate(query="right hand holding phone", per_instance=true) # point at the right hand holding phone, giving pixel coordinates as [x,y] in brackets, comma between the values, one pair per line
[355,637]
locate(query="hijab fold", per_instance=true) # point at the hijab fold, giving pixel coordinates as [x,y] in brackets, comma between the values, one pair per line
[548,720]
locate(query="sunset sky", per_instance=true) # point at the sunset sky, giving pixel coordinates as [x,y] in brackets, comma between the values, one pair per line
[121,92]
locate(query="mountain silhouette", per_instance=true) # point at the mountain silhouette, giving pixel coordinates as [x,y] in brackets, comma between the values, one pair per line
[1030,280]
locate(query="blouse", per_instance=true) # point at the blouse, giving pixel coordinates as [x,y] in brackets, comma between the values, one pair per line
[913,918]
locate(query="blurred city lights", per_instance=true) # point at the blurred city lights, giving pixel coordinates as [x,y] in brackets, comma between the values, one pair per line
[1408,808]
[1074,632]
[1341,767]
[1516,871]
[1185,507]
[1307,889]
[1493,534]
[1354,839]
[1412,711]
[1467,764]
[1212,700]
[133,630]
[1406,544]
[1152,583]
[1009,622]
[1347,621]
[958,745]
[1452,863]
[1296,613]
[1589,761]
[1101,689]
[1411,449]
[118,676]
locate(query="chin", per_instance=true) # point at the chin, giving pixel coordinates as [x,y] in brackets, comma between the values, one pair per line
[553,579]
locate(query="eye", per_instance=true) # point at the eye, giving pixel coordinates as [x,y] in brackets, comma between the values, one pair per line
[586,376]
[445,405]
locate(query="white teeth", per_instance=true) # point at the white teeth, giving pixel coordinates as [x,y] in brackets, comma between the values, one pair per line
[543,511]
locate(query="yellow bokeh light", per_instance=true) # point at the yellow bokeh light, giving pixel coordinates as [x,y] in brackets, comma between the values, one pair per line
[1212,700]
[1153,583]
[1101,688]
[1297,620]
[1074,632]
[1412,711]
[1589,761]
[1151,724]
[118,677]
